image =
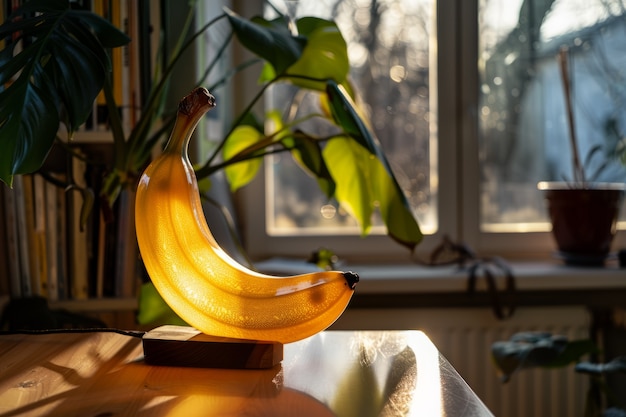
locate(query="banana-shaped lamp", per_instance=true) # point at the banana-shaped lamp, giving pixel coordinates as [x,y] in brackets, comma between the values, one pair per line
[198,279]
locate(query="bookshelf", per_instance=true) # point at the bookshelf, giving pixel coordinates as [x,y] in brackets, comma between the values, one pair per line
[58,240]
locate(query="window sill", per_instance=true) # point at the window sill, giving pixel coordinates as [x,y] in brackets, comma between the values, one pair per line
[536,283]
[393,278]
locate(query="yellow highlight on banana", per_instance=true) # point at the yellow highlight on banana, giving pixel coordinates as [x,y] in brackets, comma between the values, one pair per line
[198,279]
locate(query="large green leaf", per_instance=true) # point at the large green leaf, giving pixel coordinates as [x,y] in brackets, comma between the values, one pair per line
[325,56]
[395,208]
[349,165]
[269,40]
[363,184]
[56,76]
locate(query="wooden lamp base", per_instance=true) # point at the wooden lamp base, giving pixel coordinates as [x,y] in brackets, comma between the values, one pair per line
[186,346]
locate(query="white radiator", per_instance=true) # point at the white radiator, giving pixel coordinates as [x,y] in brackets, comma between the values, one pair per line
[464,337]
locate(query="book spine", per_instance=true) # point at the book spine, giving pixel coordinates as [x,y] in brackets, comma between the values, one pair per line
[52,248]
[39,196]
[63,254]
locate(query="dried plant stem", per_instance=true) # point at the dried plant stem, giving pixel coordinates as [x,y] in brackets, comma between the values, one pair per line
[579,171]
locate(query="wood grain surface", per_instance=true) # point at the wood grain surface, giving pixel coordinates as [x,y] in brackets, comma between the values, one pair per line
[104,374]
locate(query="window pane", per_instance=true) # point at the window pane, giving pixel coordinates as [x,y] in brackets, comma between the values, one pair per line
[388,42]
[524,135]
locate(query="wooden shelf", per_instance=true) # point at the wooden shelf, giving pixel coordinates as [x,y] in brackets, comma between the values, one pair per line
[96,305]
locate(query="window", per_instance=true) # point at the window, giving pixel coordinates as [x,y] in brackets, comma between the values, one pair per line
[465,98]
[524,135]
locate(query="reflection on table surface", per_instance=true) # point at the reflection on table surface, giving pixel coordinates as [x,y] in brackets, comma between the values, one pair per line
[390,373]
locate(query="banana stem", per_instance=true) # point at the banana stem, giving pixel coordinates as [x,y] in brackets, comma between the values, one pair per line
[190,110]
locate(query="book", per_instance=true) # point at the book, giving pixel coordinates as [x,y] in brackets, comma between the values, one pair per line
[22,236]
[40,262]
[62,242]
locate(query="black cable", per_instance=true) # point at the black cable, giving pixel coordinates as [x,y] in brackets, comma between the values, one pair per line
[132,333]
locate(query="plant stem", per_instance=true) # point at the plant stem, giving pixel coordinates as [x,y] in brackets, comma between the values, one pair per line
[206,168]
[579,172]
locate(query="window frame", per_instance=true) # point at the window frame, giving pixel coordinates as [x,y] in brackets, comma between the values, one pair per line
[459,180]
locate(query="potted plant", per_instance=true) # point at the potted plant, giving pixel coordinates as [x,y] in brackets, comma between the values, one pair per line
[583,212]
[62,50]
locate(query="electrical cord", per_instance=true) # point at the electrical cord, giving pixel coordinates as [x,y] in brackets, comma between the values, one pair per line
[132,333]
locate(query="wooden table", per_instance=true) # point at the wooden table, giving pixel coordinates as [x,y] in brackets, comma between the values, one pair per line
[102,374]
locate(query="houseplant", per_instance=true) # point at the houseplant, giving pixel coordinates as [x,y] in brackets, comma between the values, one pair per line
[583,212]
[527,350]
[40,94]
[315,59]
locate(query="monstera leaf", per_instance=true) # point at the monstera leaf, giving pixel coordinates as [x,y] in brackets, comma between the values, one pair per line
[52,75]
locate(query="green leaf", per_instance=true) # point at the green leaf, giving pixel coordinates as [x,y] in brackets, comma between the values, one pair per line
[56,77]
[26,119]
[349,165]
[307,152]
[270,40]
[241,173]
[153,310]
[395,208]
[324,57]
[344,112]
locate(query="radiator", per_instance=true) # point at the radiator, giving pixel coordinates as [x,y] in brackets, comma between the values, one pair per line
[464,337]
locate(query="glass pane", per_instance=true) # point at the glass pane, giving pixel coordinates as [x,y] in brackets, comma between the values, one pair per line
[524,134]
[388,43]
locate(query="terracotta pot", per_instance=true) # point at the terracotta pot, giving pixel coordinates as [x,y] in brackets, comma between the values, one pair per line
[583,219]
